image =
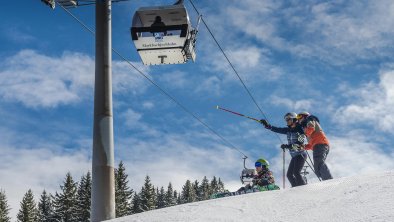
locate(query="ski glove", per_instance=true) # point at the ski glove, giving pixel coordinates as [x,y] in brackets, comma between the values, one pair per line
[308,147]
[285,146]
[265,123]
[291,146]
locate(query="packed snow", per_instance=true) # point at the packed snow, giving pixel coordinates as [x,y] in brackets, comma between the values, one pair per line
[360,198]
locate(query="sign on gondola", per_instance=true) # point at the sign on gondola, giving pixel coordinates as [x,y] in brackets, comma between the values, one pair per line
[163,35]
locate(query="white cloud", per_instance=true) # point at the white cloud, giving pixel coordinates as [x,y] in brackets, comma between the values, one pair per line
[126,79]
[133,121]
[176,79]
[148,105]
[131,118]
[354,154]
[15,33]
[37,169]
[372,103]
[246,57]
[337,32]
[173,158]
[256,19]
[38,80]
[291,104]
[357,29]
[252,64]
[211,85]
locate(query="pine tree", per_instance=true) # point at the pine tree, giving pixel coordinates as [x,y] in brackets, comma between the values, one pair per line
[204,189]
[4,208]
[188,194]
[45,208]
[123,193]
[214,185]
[154,198]
[28,211]
[177,197]
[220,186]
[197,191]
[65,203]
[161,198]
[148,195]
[170,198]
[136,207]
[84,198]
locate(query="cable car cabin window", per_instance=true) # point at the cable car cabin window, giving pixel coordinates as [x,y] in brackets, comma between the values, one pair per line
[171,30]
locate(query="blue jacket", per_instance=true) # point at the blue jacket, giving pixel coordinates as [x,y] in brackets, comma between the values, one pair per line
[295,136]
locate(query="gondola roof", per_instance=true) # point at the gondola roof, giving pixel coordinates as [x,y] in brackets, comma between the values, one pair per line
[170,15]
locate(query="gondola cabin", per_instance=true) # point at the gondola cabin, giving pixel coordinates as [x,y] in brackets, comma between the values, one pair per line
[163,35]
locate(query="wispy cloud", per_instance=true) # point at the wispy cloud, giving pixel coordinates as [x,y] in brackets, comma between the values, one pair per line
[16,34]
[41,81]
[371,104]
[354,153]
[37,169]
[291,104]
[354,30]
[175,158]
[38,80]
[175,79]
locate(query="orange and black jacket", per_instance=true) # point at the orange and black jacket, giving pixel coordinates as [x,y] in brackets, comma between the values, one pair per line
[314,133]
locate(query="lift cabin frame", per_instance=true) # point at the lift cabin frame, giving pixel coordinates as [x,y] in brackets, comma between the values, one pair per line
[171,43]
[247,175]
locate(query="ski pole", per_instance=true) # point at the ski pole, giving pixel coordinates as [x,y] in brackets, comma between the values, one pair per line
[284,180]
[239,114]
[312,167]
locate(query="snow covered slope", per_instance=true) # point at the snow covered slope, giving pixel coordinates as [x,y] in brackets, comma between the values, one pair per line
[360,198]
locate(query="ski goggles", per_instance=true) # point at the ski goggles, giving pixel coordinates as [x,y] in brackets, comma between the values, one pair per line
[258,164]
[300,116]
[288,118]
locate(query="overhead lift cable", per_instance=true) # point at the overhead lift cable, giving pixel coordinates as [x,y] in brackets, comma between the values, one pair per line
[158,87]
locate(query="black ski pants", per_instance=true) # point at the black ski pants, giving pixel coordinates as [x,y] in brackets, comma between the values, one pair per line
[320,152]
[294,171]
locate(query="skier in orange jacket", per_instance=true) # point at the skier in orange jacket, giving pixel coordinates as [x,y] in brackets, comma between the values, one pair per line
[317,142]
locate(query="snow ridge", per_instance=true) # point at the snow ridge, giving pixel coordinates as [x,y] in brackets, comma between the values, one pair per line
[359,198]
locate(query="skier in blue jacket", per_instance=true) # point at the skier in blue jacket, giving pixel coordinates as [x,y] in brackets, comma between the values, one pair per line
[295,138]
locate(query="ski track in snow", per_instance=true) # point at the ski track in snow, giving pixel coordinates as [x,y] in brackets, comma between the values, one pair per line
[360,198]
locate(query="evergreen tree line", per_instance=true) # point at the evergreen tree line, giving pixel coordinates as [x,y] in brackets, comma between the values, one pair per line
[72,203]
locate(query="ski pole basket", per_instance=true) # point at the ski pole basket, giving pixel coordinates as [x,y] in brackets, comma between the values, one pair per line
[304,172]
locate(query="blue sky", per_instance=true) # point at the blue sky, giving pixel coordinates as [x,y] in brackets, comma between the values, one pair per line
[333,59]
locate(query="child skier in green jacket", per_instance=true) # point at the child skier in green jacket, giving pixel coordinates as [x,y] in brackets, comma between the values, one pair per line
[262,181]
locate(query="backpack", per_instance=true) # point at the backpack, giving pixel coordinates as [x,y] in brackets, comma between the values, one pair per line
[312,118]
[309,118]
